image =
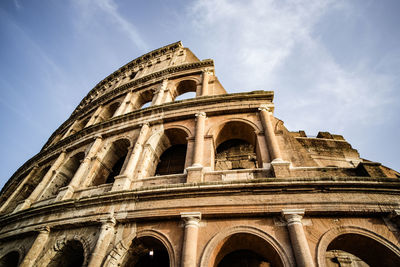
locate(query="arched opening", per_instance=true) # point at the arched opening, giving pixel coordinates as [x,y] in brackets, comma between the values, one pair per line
[79,125]
[187,95]
[64,176]
[112,163]
[110,110]
[11,259]
[71,255]
[147,252]
[173,157]
[184,87]
[244,249]
[27,188]
[236,147]
[361,250]
[144,100]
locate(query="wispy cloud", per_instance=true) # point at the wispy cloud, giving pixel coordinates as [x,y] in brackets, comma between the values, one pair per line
[110,8]
[17,4]
[272,44]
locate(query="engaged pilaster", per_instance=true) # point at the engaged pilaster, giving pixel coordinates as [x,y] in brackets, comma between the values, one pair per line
[16,192]
[36,247]
[105,237]
[270,137]
[43,184]
[80,174]
[195,172]
[189,246]
[205,79]
[123,181]
[122,107]
[298,239]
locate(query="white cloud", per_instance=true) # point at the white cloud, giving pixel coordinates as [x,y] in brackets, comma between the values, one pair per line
[271,45]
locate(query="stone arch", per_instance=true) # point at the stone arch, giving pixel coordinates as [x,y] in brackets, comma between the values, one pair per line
[212,252]
[144,98]
[27,188]
[184,85]
[109,110]
[12,257]
[75,248]
[157,145]
[121,250]
[64,174]
[112,164]
[339,238]
[236,145]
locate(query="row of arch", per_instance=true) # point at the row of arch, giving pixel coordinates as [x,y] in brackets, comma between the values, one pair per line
[166,152]
[236,246]
[180,89]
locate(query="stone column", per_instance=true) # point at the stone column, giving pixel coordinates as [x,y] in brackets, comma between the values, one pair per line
[195,172]
[105,237]
[159,96]
[82,170]
[205,79]
[36,248]
[297,237]
[123,181]
[131,103]
[122,107]
[71,128]
[199,139]
[94,117]
[189,246]
[17,191]
[43,184]
[270,137]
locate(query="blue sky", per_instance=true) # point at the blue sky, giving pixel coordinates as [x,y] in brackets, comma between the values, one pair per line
[334,65]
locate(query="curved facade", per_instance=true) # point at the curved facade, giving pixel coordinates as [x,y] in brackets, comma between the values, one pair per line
[136,177]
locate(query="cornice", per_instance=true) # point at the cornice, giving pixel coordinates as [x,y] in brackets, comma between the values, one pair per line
[263,186]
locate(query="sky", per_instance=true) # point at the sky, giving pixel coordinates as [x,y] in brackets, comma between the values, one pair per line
[334,65]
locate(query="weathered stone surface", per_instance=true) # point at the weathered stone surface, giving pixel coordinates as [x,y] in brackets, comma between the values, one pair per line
[135,178]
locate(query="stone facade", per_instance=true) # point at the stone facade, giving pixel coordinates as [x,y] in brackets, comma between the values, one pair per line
[137,178]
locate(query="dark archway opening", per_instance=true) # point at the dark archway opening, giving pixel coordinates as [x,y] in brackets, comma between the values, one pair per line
[71,255]
[247,250]
[10,260]
[369,251]
[116,169]
[147,252]
[243,258]
[112,163]
[236,147]
[172,161]
[65,175]
[185,87]
[235,154]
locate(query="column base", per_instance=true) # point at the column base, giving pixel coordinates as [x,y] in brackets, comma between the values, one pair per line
[280,168]
[23,205]
[121,183]
[65,193]
[194,174]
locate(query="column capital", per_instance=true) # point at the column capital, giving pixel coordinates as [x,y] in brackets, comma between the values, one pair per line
[109,221]
[191,218]
[265,108]
[293,216]
[98,136]
[200,114]
[43,230]
[146,124]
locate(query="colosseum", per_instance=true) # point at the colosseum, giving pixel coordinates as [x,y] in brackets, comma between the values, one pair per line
[136,177]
